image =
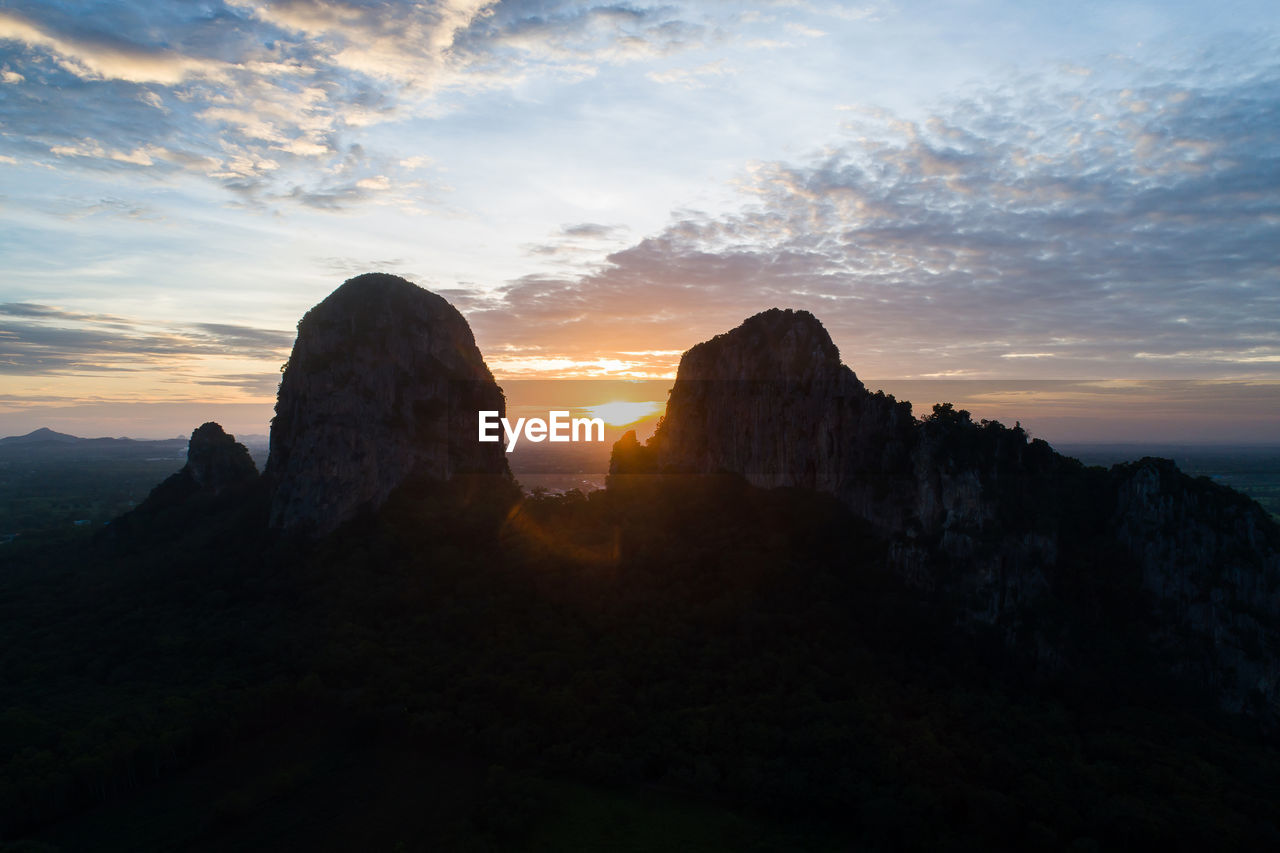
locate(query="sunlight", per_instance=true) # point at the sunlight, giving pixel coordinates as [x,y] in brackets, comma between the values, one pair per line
[621,412]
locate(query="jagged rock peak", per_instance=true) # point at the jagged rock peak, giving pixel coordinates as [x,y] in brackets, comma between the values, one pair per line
[383,383]
[216,461]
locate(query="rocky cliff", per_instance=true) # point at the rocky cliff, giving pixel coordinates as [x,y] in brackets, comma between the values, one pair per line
[1210,559]
[383,383]
[998,524]
[770,400]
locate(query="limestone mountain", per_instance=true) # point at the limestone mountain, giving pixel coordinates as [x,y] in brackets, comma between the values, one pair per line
[770,400]
[994,522]
[383,383]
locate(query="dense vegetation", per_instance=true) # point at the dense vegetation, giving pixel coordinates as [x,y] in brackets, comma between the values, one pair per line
[66,487]
[48,496]
[669,664]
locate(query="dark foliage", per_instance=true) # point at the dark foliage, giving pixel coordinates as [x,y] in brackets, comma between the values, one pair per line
[470,653]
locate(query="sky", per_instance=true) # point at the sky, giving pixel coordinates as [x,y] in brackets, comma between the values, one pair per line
[959,191]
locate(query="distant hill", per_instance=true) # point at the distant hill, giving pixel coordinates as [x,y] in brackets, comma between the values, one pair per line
[47,443]
[40,435]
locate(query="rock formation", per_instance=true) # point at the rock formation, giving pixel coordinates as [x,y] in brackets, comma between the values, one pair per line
[216,461]
[977,511]
[219,470]
[1210,559]
[384,383]
[770,400]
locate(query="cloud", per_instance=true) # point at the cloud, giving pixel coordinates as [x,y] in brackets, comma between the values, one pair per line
[691,77]
[246,338]
[579,245]
[107,207]
[103,55]
[578,35]
[593,231]
[273,100]
[802,30]
[255,384]
[351,267]
[1048,227]
[46,339]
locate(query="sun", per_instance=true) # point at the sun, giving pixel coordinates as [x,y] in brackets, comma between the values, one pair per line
[622,413]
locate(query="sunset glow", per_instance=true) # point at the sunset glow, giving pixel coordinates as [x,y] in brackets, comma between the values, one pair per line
[986,191]
[622,413]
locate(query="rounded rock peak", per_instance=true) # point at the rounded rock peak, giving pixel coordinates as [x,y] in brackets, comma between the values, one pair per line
[383,383]
[365,309]
[215,460]
[774,344]
[371,289]
[211,433]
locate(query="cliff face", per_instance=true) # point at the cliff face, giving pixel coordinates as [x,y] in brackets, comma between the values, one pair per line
[770,400]
[384,382]
[1210,559]
[977,512]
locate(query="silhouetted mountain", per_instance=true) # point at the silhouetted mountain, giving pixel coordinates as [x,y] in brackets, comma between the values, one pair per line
[841,627]
[45,444]
[39,435]
[996,523]
[383,381]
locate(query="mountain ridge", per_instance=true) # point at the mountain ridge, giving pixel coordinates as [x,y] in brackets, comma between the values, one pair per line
[978,511]
[968,642]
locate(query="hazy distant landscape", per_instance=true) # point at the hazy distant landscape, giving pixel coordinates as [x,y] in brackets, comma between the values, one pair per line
[54,483]
[48,484]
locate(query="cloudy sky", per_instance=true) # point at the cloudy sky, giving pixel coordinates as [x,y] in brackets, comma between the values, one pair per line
[980,190]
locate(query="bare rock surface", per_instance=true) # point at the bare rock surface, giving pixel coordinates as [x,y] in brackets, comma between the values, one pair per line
[384,382]
[770,400]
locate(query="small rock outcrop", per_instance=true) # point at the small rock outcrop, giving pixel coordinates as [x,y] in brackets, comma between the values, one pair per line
[216,461]
[219,471]
[384,382]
